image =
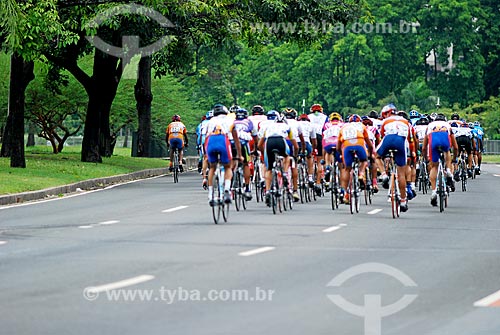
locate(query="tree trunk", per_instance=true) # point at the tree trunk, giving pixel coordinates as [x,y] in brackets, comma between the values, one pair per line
[97,140]
[21,74]
[125,139]
[144,97]
[31,135]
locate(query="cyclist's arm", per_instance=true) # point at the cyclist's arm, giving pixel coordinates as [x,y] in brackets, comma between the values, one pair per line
[424,147]
[454,145]
[186,141]
[236,142]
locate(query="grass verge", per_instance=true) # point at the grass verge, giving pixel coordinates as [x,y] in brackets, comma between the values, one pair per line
[495,159]
[44,169]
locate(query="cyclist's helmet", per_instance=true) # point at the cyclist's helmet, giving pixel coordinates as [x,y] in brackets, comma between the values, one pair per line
[366,120]
[290,113]
[304,117]
[316,108]
[355,118]
[404,115]
[258,110]
[280,118]
[422,121]
[455,116]
[373,114]
[220,109]
[433,116]
[176,117]
[414,114]
[241,114]
[471,125]
[335,116]
[454,124]
[477,124]
[440,117]
[209,114]
[234,108]
[388,110]
[272,115]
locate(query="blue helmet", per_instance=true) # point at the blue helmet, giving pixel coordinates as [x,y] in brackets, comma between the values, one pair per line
[477,124]
[209,114]
[414,114]
[241,114]
[272,114]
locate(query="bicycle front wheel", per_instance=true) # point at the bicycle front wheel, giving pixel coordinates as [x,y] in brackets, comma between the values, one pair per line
[217,197]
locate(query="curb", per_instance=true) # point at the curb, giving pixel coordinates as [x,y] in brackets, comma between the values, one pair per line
[91,184]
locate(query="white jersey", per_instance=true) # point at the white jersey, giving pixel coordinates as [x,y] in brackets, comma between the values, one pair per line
[278,129]
[318,120]
[263,126]
[296,128]
[438,126]
[308,131]
[421,130]
[219,125]
[377,123]
[462,131]
[256,120]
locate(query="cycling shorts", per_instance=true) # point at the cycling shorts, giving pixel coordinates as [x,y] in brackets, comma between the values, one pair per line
[464,142]
[274,143]
[309,148]
[348,156]
[330,148]
[439,141]
[394,142]
[218,145]
[319,147]
[176,143]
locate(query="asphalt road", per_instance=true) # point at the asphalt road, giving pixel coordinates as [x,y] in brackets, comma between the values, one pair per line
[146,258]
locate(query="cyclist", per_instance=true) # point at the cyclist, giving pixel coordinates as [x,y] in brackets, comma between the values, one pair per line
[217,143]
[374,135]
[463,136]
[439,137]
[318,119]
[414,117]
[290,116]
[353,136]
[331,131]
[395,133]
[411,169]
[176,138]
[258,115]
[273,137]
[199,136]
[420,130]
[377,122]
[479,132]
[203,137]
[309,134]
[247,135]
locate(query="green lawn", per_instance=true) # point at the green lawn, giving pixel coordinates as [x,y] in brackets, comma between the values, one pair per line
[45,169]
[491,159]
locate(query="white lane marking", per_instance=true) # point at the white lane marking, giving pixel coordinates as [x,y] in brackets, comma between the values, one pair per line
[119,284]
[497,175]
[375,211]
[256,251]
[108,222]
[343,224]
[486,302]
[86,227]
[331,229]
[3,242]
[498,165]
[174,209]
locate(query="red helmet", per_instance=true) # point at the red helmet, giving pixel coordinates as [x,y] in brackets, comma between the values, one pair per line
[304,117]
[176,117]
[316,108]
[388,110]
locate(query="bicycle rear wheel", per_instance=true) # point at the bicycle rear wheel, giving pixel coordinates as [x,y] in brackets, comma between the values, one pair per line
[217,197]
[441,190]
[393,195]
[237,190]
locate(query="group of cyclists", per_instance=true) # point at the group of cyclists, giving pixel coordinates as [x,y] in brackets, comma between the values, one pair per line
[231,135]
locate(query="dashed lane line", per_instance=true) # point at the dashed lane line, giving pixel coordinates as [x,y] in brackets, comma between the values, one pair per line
[256,251]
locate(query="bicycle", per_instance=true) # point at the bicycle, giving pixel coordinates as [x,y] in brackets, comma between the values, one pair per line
[175,165]
[442,188]
[353,188]
[368,187]
[394,193]
[277,183]
[238,189]
[335,185]
[257,180]
[423,177]
[462,169]
[217,194]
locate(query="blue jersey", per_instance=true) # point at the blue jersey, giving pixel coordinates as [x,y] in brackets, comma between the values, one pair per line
[245,130]
[478,132]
